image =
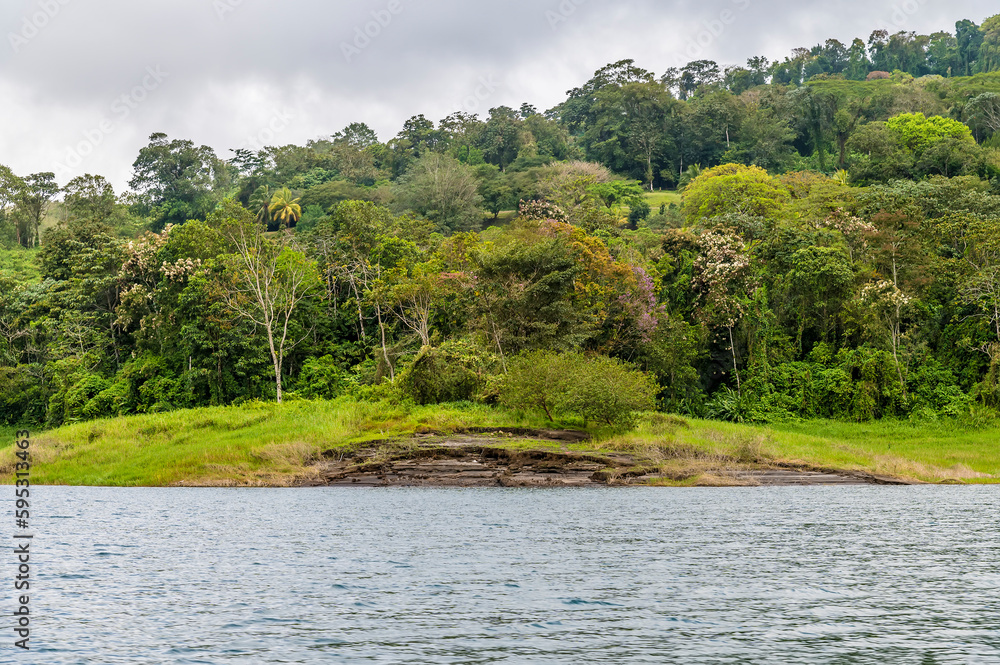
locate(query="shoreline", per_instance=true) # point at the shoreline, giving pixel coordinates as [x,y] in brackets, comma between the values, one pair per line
[506,457]
[348,443]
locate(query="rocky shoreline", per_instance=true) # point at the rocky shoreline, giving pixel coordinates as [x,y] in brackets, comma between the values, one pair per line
[541,458]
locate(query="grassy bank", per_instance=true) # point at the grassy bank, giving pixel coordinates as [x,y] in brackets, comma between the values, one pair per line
[267,444]
[656,199]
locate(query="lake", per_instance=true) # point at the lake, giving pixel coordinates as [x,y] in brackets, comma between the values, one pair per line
[742,575]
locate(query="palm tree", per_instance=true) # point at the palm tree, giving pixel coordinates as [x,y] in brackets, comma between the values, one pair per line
[284,208]
[687,176]
[260,201]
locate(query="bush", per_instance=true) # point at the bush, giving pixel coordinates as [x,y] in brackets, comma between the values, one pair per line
[321,378]
[639,212]
[454,372]
[596,388]
[21,396]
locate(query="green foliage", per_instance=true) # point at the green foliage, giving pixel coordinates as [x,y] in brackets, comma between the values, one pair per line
[917,132]
[444,191]
[597,388]
[733,188]
[453,372]
[868,294]
[322,378]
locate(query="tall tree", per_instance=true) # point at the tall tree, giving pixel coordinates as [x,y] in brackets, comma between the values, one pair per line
[10,191]
[90,197]
[989,50]
[177,180]
[444,191]
[36,195]
[969,39]
[266,283]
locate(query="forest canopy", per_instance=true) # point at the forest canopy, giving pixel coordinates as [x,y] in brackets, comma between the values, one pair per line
[812,237]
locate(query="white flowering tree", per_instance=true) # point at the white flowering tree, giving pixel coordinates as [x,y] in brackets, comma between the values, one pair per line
[890,307]
[723,279]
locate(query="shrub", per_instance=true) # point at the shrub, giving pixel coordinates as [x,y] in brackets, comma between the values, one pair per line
[596,388]
[321,378]
[454,372]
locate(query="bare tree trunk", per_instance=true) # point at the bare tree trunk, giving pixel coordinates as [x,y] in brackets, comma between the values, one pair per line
[385,350]
[736,371]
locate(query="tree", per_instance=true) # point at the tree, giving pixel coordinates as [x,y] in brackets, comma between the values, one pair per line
[733,188]
[764,140]
[969,38]
[501,138]
[989,51]
[916,131]
[444,191]
[364,250]
[176,179]
[644,110]
[284,208]
[984,111]
[91,198]
[495,189]
[10,190]
[595,387]
[890,307]
[414,293]
[265,283]
[38,191]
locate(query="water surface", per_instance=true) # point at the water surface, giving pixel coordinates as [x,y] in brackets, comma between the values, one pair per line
[743,575]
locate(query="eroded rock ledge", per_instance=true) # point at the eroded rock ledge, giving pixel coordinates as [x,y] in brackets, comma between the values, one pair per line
[486,457]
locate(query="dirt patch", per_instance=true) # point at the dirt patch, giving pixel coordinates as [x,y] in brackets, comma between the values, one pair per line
[485,457]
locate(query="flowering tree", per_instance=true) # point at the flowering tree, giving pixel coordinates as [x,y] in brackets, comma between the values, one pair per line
[890,305]
[723,278]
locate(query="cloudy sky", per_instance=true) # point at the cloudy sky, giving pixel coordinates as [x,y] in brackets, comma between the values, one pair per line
[83,83]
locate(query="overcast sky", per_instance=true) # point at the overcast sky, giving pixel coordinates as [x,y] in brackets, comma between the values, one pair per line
[83,83]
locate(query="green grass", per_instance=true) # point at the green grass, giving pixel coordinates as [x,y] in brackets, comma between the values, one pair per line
[925,451]
[253,444]
[7,434]
[22,264]
[936,452]
[656,199]
[271,445]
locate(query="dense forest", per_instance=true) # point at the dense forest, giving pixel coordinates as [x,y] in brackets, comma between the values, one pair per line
[812,237]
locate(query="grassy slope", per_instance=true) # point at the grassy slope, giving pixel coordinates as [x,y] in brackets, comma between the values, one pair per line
[656,199]
[21,264]
[267,444]
[258,444]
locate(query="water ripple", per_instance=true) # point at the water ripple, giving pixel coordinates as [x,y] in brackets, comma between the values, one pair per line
[780,575]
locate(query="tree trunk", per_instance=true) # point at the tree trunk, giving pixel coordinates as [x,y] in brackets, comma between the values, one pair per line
[276,359]
[385,350]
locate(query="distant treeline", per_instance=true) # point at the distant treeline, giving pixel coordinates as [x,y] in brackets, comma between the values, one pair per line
[836,252]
